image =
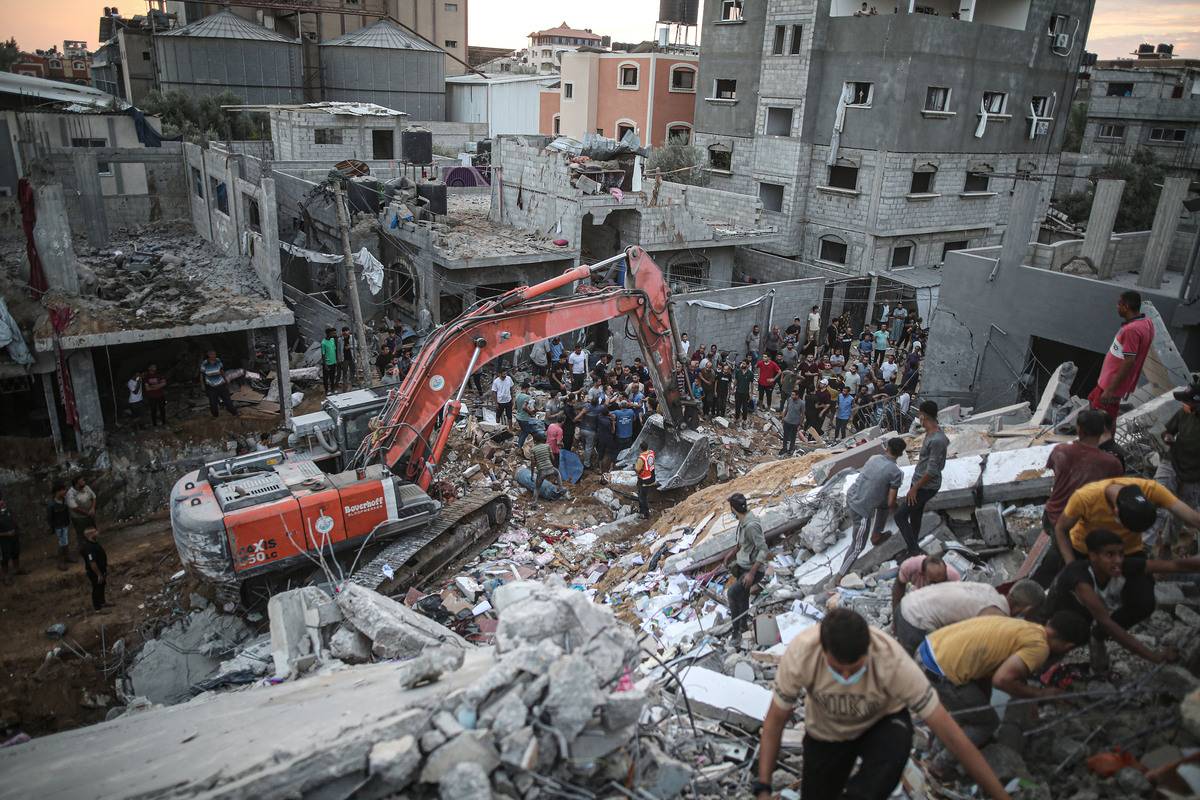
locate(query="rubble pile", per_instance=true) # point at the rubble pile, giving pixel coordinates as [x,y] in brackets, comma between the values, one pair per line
[158,275]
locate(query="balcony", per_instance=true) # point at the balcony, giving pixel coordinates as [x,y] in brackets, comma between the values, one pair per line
[1012,14]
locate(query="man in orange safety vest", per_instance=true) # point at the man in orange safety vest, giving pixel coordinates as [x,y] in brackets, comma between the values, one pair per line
[644,466]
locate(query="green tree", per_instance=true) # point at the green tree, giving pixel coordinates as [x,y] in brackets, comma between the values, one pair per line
[1143,176]
[679,163]
[198,120]
[10,51]
[1076,123]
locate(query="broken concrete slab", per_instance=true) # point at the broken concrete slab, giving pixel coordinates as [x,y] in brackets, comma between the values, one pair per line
[853,458]
[294,645]
[474,747]
[1007,415]
[394,762]
[990,519]
[395,630]
[468,779]
[1017,474]
[168,668]
[724,698]
[347,644]
[1057,391]
[573,695]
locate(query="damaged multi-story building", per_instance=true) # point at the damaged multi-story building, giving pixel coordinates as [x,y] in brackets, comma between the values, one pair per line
[888,136]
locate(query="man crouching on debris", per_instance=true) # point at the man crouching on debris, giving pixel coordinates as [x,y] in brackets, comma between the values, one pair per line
[750,556]
[966,660]
[861,691]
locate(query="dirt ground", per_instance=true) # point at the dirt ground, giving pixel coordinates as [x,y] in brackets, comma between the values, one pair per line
[43,694]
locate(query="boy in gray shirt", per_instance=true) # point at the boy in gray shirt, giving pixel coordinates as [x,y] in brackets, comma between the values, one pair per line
[870,497]
[927,478]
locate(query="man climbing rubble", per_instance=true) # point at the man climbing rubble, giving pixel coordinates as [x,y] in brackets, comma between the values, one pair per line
[870,497]
[919,572]
[1126,506]
[926,479]
[941,604]
[541,464]
[861,692]
[1179,471]
[1075,465]
[966,660]
[1098,589]
[749,559]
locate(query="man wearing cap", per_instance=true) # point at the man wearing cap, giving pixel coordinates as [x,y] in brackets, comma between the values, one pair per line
[1179,471]
[750,556]
[861,693]
[1126,506]
[926,479]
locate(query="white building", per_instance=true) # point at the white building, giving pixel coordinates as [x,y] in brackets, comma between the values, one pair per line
[508,103]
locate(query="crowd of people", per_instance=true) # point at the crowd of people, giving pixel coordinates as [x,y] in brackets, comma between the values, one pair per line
[954,641]
[831,385]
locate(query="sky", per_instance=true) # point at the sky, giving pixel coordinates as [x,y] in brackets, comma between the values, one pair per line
[1117,27]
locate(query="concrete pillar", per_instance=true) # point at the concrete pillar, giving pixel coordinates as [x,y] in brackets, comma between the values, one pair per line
[1166,221]
[91,198]
[431,284]
[283,369]
[49,390]
[52,234]
[1022,212]
[89,431]
[268,214]
[1105,204]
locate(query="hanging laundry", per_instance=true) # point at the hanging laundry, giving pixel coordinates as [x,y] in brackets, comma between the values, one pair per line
[839,123]
[372,270]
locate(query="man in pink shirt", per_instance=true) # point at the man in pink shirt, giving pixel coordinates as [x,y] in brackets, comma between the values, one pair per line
[554,438]
[919,572]
[1123,363]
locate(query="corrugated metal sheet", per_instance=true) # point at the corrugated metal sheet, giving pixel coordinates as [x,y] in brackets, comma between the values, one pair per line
[256,71]
[227,25]
[384,34]
[407,79]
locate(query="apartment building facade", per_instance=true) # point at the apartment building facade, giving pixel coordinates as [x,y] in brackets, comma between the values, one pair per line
[886,140]
[547,47]
[1150,104]
[72,64]
[651,93]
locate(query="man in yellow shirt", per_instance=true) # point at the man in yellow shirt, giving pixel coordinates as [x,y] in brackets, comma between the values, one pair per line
[1126,506]
[966,660]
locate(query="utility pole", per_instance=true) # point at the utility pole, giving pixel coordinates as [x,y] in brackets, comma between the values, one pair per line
[350,274]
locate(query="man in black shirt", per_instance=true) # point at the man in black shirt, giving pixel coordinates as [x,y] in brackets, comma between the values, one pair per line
[95,564]
[10,544]
[1108,444]
[1095,588]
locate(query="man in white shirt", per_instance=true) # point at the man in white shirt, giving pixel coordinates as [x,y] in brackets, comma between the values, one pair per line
[578,360]
[888,368]
[684,345]
[813,328]
[502,386]
[136,399]
[902,403]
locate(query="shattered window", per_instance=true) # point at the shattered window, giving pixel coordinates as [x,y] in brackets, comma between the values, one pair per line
[725,89]
[977,182]
[327,135]
[720,158]
[771,195]
[218,191]
[937,98]
[843,177]
[922,182]
[253,217]
[731,10]
[834,250]
[779,121]
[994,102]
[902,255]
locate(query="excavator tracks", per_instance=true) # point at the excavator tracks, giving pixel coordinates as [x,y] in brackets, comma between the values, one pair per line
[462,529]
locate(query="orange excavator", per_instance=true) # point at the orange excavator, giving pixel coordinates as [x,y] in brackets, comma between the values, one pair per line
[264,514]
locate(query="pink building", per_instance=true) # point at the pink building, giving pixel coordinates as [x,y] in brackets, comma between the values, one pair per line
[652,94]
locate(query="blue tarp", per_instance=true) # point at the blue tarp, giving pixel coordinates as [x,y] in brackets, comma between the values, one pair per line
[569,466]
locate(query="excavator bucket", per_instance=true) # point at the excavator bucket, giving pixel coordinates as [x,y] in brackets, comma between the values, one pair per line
[681,457]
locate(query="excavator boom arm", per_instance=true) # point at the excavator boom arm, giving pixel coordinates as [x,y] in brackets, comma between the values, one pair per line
[512,321]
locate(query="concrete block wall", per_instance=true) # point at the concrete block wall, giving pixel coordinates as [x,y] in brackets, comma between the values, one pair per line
[739,179]
[158,194]
[728,329]
[738,210]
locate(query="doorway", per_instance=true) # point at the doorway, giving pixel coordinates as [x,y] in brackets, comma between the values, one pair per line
[382,146]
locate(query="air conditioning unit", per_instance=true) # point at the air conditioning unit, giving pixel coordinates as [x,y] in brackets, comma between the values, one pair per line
[1062,41]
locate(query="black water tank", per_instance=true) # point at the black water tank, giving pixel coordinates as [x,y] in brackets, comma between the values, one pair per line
[685,12]
[417,146]
[435,193]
